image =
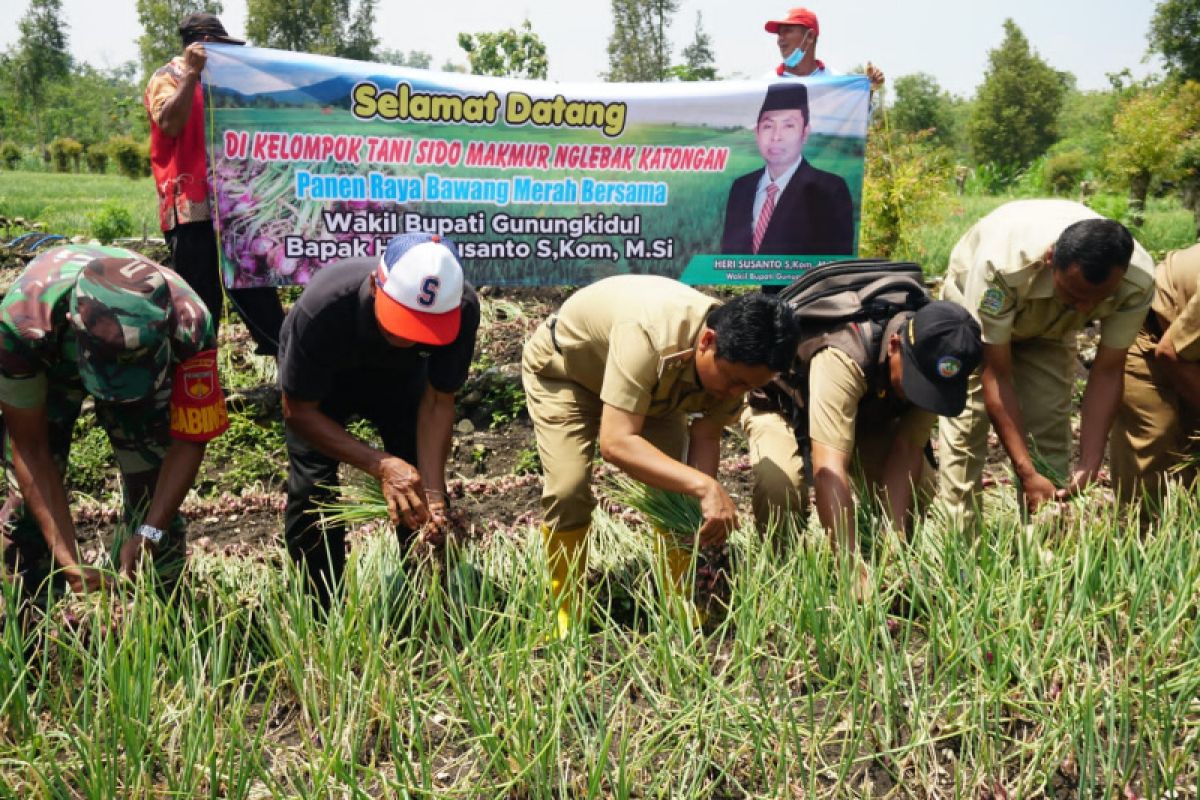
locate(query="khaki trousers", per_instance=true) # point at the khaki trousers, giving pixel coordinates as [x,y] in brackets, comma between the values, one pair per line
[1043,378]
[778,465]
[566,422]
[1152,429]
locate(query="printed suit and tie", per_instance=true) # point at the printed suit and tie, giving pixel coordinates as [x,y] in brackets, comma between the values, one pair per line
[812,215]
[789,207]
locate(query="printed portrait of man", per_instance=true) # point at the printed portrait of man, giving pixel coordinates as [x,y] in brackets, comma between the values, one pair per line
[789,207]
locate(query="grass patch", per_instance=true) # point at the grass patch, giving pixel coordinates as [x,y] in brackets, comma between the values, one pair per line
[91,469]
[252,452]
[1042,663]
[1168,226]
[65,203]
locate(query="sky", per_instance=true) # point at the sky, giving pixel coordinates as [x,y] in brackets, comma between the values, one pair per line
[947,38]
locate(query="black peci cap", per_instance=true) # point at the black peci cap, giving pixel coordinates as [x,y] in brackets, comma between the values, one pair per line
[942,345]
[202,23]
[785,95]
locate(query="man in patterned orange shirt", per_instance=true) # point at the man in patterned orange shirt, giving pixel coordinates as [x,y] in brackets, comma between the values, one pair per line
[175,102]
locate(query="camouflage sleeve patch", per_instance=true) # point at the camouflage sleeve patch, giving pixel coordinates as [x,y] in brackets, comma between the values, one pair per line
[197,402]
[17,360]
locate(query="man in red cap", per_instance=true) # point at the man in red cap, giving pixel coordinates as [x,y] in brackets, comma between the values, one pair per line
[797,35]
[388,340]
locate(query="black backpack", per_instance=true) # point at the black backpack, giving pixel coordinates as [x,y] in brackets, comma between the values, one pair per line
[849,305]
[869,289]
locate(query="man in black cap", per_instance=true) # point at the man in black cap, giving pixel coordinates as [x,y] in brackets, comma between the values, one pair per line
[863,397]
[175,102]
[789,207]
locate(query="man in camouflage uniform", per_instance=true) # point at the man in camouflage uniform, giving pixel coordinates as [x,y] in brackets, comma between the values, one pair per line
[1158,423]
[106,322]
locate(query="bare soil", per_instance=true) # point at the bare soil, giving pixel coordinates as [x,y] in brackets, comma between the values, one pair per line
[494,477]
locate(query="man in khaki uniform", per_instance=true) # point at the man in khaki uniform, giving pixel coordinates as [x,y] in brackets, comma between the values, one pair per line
[1159,418]
[873,408]
[624,364]
[1034,273]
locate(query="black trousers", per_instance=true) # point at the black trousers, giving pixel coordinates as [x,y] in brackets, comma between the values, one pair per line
[193,248]
[390,403]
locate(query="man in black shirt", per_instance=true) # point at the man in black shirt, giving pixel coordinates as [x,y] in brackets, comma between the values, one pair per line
[389,341]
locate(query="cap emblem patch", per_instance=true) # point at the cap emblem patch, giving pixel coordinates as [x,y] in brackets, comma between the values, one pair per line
[948,366]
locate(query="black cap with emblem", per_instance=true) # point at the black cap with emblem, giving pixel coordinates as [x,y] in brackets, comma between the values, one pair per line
[201,25]
[941,345]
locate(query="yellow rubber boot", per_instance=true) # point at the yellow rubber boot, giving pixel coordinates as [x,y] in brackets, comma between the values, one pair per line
[674,567]
[566,555]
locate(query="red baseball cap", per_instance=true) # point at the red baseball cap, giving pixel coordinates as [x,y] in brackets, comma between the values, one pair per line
[796,16]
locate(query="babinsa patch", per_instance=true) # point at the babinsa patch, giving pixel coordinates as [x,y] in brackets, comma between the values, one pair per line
[198,383]
[197,402]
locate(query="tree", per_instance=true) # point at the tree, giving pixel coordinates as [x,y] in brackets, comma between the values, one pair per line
[904,188]
[1188,166]
[509,53]
[94,105]
[326,27]
[361,40]
[1175,33]
[922,105]
[638,49]
[1016,111]
[699,61]
[1149,134]
[40,57]
[160,20]
[418,59]
[628,58]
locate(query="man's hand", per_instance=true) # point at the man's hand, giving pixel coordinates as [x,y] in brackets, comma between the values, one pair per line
[874,75]
[402,490]
[1038,490]
[132,551]
[194,58]
[83,579]
[1165,349]
[1081,479]
[437,529]
[720,515]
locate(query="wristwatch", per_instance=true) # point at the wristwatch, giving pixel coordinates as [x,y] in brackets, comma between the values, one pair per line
[149,532]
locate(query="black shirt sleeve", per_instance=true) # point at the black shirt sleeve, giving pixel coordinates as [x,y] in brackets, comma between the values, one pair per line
[449,365]
[307,357]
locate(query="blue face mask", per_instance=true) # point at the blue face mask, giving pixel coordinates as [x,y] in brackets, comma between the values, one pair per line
[795,58]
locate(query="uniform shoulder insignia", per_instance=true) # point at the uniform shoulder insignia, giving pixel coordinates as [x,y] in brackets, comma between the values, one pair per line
[995,301]
[674,360]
